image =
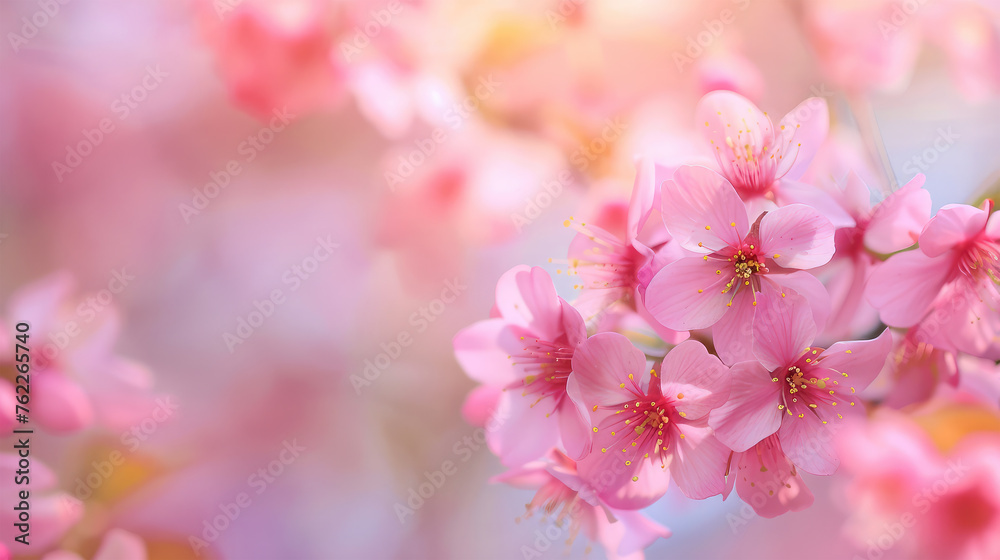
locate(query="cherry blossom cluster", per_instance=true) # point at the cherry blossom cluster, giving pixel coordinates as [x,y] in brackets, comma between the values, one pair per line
[729,321]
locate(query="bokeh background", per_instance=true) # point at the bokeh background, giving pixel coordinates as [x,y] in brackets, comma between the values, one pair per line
[381,164]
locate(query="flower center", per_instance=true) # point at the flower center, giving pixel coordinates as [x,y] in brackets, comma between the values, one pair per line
[982,257]
[545,366]
[638,428]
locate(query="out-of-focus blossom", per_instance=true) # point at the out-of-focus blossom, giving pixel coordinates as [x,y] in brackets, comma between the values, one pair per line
[571,498]
[926,485]
[732,263]
[864,45]
[644,421]
[117,544]
[890,226]
[76,376]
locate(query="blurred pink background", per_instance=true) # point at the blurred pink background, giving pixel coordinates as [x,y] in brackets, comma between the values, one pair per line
[378,165]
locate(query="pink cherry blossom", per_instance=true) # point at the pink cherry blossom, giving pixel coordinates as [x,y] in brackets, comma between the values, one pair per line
[890,226]
[794,389]
[735,263]
[763,164]
[615,266]
[564,493]
[77,377]
[527,350]
[767,479]
[644,421]
[953,275]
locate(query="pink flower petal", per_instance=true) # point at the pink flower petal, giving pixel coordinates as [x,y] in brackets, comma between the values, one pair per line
[689,370]
[720,113]
[121,545]
[802,132]
[688,294]
[897,221]
[525,431]
[608,370]
[574,423]
[526,297]
[807,440]
[752,412]
[764,480]
[702,210]
[699,463]
[862,360]
[797,236]
[733,334]
[953,225]
[904,287]
[480,404]
[806,285]
[482,351]
[613,480]
[783,328]
[639,532]
[59,404]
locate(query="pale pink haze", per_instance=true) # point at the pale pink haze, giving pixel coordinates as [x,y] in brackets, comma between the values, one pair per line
[524,353]
[948,504]
[953,276]
[566,497]
[762,163]
[734,266]
[796,390]
[650,426]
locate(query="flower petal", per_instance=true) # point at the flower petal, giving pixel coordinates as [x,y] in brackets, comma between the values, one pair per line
[768,481]
[733,333]
[699,463]
[953,225]
[797,236]
[702,210]
[526,297]
[525,431]
[807,439]
[687,294]
[861,360]
[782,328]
[904,287]
[608,370]
[752,413]
[897,221]
[689,370]
[482,349]
[802,132]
